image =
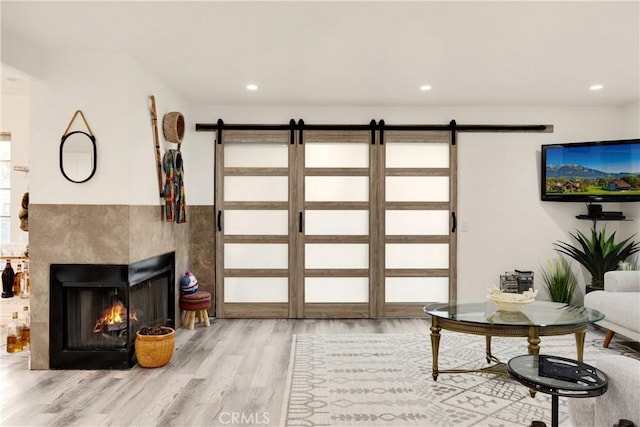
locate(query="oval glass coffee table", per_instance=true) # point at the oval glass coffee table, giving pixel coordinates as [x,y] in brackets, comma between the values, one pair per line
[535,320]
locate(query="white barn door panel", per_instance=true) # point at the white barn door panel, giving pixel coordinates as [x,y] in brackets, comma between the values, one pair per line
[336,193]
[418,191]
[253,191]
[324,223]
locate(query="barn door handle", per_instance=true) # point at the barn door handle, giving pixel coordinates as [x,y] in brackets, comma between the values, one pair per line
[300,220]
[219,220]
[454,222]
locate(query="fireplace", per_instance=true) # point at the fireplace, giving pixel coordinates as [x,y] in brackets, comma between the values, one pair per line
[96,309]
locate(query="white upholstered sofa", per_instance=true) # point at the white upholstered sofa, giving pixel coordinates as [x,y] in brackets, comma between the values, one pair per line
[621,400]
[620,304]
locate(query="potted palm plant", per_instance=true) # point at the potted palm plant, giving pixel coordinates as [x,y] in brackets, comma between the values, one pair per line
[559,280]
[598,253]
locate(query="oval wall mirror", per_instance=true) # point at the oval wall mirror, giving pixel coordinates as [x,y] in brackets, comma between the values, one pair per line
[78,156]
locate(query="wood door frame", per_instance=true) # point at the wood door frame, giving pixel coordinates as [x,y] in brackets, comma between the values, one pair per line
[346,136]
[391,136]
[268,134]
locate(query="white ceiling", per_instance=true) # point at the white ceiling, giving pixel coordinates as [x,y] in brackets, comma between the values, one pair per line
[359,52]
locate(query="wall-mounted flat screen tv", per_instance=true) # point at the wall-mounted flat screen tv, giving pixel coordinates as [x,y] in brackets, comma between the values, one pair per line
[598,171]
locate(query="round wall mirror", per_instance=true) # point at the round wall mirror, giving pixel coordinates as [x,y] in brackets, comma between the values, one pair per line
[78,156]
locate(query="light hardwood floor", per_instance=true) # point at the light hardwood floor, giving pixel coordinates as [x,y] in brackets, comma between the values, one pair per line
[232,368]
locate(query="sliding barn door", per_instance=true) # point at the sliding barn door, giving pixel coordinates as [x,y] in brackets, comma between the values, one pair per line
[337,195]
[351,223]
[417,221]
[252,208]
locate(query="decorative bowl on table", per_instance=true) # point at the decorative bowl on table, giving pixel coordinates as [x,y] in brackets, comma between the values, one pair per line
[507,301]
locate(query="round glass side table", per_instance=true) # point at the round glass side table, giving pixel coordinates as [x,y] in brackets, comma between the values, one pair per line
[557,376]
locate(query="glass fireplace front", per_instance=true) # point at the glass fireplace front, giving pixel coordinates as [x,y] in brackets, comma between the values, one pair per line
[97,309]
[98,319]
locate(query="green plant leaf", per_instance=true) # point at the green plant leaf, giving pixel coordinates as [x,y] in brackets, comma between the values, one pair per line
[598,253]
[559,280]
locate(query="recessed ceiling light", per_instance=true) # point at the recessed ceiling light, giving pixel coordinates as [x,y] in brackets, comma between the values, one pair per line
[596,87]
[425,88]
[252,87]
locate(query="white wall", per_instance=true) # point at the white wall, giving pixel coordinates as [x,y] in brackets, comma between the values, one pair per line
[113,93]
[21,54]
[630,121]
[499,198]
[96,85]
[508,227]
[143,183]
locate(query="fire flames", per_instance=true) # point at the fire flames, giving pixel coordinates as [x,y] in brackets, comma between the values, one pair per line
[114,318]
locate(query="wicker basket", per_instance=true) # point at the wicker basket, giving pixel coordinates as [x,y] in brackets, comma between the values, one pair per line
[153,351]
[173,127]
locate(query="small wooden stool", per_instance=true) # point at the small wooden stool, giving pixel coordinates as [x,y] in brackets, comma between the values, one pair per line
[192,304]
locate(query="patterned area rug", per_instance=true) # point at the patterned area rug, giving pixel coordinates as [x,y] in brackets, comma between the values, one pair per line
[385,380]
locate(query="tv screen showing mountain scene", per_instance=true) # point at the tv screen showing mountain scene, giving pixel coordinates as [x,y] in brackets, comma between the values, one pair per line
[610,170]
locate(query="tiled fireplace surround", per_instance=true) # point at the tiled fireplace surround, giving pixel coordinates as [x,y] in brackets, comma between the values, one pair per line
[109,234]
